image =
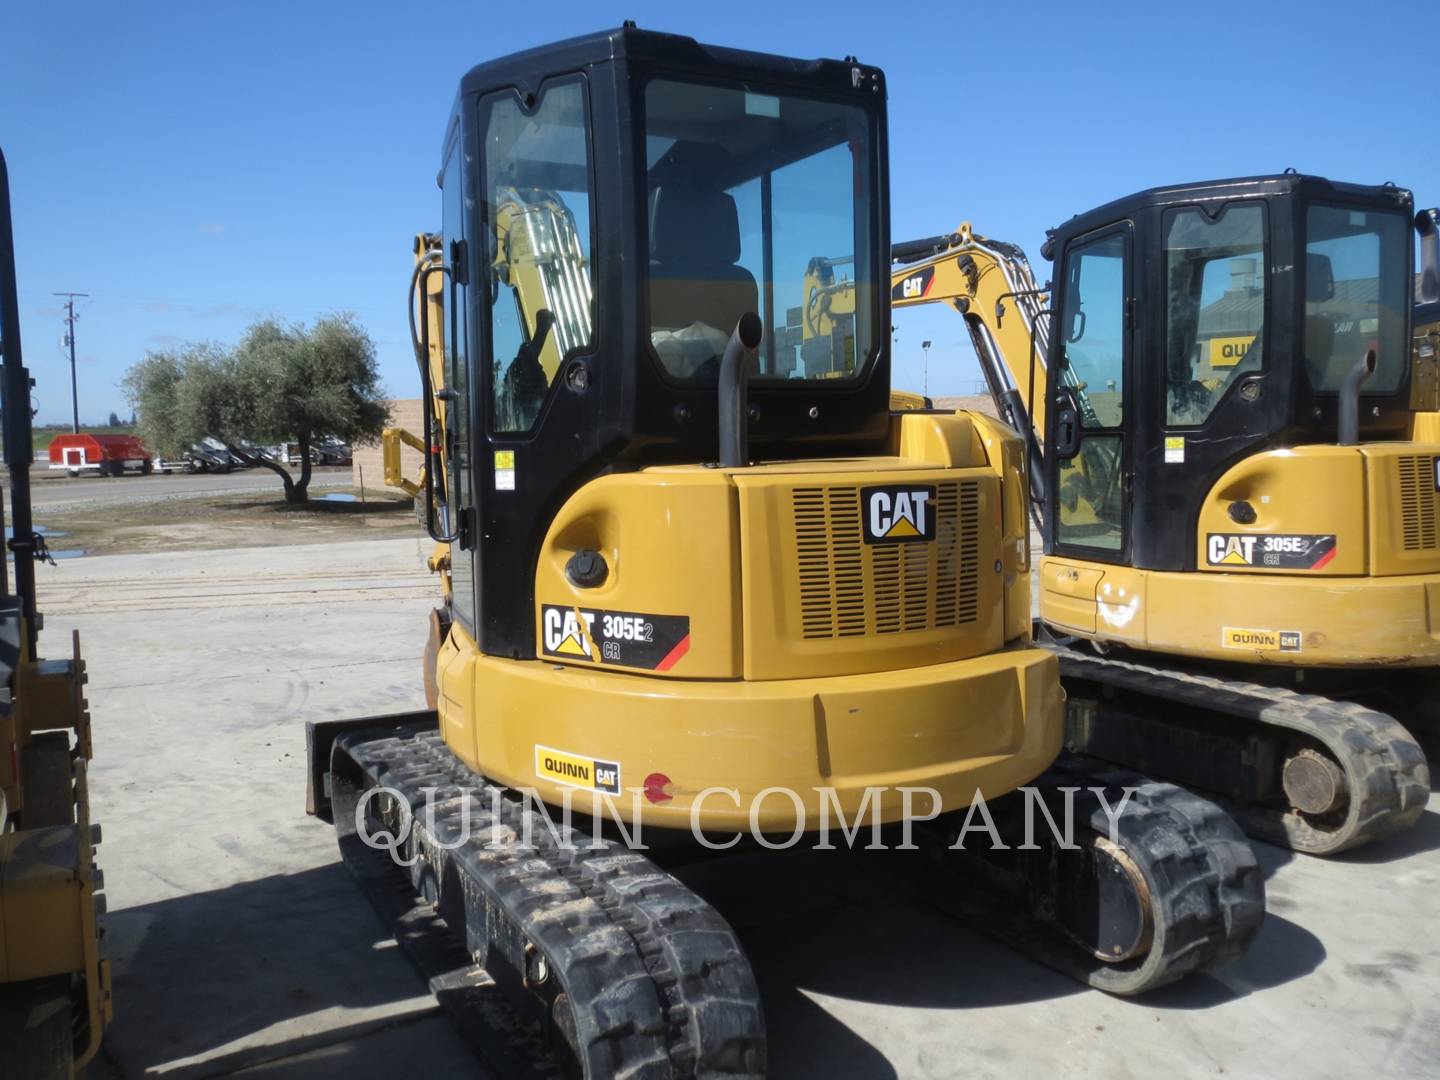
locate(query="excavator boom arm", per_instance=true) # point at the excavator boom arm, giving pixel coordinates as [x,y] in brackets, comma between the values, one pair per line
[991,285]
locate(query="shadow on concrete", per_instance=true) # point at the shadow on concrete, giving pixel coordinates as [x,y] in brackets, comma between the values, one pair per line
[1282,952]
[1422,837]
[294,972]
[827,939]
[210,982]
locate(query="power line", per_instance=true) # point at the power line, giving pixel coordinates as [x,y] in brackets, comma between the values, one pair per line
[70,318]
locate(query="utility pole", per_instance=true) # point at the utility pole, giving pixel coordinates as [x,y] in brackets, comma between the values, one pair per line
[926,346]
[70,318]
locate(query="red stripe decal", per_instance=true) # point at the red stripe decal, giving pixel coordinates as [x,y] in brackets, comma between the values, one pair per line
[674,655]
[1325,558]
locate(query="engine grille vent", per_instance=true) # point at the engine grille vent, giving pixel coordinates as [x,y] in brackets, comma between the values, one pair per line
[850,589]
[1418,499]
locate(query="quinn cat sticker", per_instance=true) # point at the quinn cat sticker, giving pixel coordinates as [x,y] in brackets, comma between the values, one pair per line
[626,638]
[1232,637]
[1293,551]
[577,770]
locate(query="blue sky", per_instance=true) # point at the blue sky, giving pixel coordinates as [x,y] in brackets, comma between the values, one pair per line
[196,166]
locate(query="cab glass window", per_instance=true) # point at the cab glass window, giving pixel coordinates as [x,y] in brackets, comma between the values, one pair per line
[1215,273]
[1357,288]
[1090,495]
[1093,323]
[759,202]
[536,258]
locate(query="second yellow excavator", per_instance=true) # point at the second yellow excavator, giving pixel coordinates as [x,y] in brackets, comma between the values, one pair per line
[1239,495]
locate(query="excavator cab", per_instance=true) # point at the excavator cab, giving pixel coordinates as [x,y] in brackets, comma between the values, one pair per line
[607,221]
[656,494]
[1275,313]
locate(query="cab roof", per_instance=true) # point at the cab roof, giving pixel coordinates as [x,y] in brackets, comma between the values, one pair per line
[526,70]
[1236,187]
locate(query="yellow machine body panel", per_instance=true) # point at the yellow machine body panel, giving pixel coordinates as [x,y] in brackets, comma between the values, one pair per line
[43,904]
[1369,510]
[1425,427]
[843,623]
[569,732]
[1340,567]
[1308,491]
[1307,622]
[670,540]
[906,401]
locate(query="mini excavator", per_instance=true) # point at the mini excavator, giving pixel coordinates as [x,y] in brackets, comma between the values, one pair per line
[700,578]
[1236,467]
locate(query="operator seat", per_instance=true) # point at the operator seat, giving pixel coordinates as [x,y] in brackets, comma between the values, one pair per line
[694,248]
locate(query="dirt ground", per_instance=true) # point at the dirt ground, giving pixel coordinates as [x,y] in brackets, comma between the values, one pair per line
[241,520]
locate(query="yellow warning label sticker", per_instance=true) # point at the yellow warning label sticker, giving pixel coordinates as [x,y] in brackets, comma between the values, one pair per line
[1232,637]
[1174,449]
[504,470]
[577,770]
[1229,351]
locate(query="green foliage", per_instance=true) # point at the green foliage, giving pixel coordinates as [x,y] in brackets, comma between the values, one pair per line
[281,383]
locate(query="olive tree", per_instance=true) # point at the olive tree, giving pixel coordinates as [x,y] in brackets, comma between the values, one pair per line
[280,384]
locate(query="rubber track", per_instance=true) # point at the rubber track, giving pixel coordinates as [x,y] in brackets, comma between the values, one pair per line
[1207,890]
[656,980]
[1385,768]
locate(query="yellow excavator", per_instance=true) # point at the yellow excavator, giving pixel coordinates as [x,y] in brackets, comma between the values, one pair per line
[54,977]
[705,590]
[1238,485]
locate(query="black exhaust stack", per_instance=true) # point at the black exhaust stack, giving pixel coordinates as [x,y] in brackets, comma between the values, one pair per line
[1425,225]
[1350,398]
[734,401]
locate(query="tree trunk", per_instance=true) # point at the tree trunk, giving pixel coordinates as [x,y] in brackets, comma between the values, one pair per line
[276,468]
[302,486]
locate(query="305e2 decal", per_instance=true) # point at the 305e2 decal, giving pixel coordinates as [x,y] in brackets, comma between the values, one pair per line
[1289,551]
[628,638]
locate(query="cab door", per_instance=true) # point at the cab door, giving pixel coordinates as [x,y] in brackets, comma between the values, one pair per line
[1088,466]
[460,412]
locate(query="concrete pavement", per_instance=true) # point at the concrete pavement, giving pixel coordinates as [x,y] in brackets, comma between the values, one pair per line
[240,943]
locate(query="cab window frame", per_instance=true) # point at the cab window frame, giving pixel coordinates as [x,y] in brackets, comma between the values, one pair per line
[873,228]
[482,259]
[1370,388]
[1267,307]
